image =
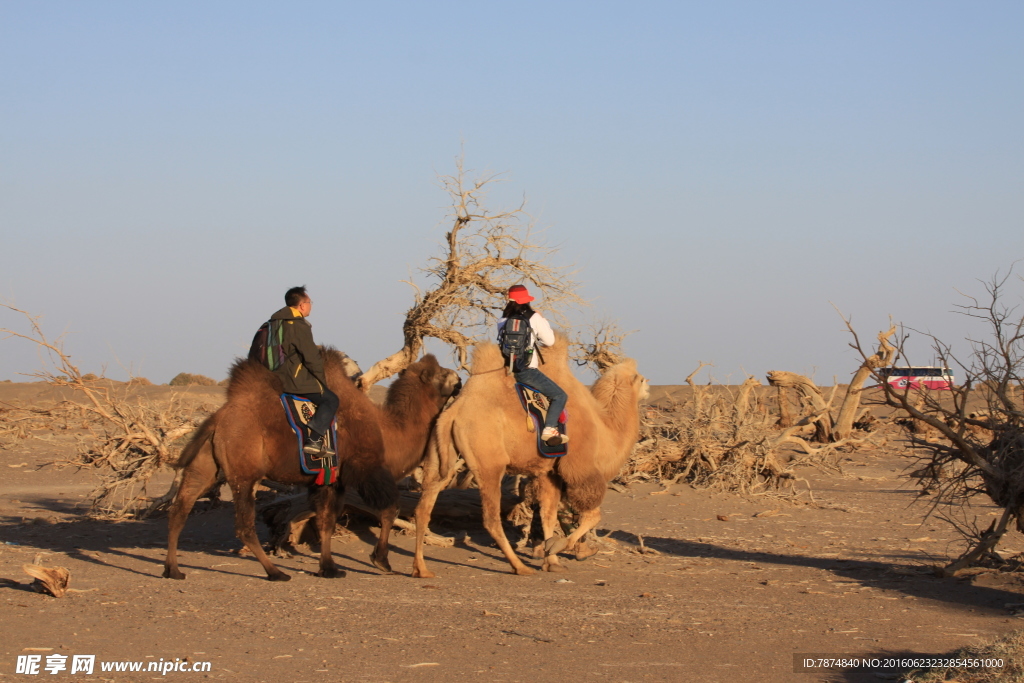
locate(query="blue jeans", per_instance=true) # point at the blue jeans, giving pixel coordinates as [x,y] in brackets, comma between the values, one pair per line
[326,406]
[556,397]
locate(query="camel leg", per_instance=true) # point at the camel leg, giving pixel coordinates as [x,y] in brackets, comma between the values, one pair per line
[585,550]
[490,497]
[588,520]
[379,556]
[432,486]
[245,526]
[550,495]
[324,502]
[200,474]
[547,500]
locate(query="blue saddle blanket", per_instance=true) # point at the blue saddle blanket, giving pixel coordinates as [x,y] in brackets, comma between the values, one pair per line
[536,406]
[300,411]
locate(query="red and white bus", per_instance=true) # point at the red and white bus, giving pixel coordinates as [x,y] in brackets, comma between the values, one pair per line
[924,377]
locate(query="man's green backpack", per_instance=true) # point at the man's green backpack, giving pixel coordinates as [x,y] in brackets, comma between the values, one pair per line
[267,346]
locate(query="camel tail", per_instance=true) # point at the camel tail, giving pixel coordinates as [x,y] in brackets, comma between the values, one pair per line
[376,487]
[199,438]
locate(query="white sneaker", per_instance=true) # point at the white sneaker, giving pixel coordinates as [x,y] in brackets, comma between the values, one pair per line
[552,437]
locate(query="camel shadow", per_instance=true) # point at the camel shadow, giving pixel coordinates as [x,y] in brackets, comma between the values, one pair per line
[905,578]
[477,541]
[102,543]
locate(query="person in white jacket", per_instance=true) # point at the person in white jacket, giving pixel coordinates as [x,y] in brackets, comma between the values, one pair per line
[526,367]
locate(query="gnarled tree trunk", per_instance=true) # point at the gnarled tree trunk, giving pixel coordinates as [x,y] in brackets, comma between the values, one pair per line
[880,359]
[810,391]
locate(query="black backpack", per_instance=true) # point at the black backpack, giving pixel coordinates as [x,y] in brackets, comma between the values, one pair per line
[267,346]
[516,342]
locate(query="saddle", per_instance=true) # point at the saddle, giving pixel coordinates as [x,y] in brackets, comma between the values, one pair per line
[536,406]
[299,412]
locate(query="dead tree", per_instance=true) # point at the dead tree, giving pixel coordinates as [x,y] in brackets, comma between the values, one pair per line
[980,452]
[851,403]
[483,254]
[723,441]
[137,438]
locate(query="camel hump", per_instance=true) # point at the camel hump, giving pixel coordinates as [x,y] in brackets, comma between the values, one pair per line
[557,353]
[248,377]
[486,358]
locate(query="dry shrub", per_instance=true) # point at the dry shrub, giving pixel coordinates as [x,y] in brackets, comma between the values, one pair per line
[185,379]
[144,437]
[723,439]
[130,438]
[1008,648]
[90,377]
[139,382]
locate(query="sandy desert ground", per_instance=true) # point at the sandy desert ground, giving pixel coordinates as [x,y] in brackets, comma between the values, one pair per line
[721,588]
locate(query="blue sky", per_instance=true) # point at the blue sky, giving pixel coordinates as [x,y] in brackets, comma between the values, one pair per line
[719,172]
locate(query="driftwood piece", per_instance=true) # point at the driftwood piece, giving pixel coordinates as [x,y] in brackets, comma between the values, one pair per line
[52,580]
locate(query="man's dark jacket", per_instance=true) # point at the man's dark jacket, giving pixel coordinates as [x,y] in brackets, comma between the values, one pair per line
[303,369]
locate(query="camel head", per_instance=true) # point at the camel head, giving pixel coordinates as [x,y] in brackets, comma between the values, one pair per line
[643,388]
[619,381]
[338,362]
[445,382]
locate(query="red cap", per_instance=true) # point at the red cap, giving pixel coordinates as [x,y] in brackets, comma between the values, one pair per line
[519,294]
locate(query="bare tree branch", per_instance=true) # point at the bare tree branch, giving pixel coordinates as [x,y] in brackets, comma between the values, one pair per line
[483,254]
[605,349]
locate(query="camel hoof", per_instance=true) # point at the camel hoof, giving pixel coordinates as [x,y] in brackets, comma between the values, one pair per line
[553,567]
[555,545]
[422,574]
[583,551]
[331,573]
[381,564]
[523,571]
[173,574]
[280,576]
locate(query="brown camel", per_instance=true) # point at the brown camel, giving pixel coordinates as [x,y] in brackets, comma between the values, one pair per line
[487,426]
[413,403]
[248,439]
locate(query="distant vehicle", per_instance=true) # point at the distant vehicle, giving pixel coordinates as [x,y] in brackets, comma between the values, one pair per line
[925,377]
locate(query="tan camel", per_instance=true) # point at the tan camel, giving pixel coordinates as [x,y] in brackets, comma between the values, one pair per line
[487,426]
[248,439]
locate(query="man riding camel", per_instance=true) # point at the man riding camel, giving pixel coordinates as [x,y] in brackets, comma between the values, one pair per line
[519,314]
[302,372]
